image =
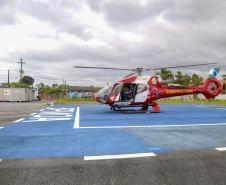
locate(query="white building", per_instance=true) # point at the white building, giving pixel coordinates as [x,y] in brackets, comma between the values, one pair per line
[18,94]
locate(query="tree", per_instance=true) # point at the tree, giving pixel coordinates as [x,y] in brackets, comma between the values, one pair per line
[179,78]
[51,90]
[186,80]
[18,85]
[27,80]
[166,74]
[196,80]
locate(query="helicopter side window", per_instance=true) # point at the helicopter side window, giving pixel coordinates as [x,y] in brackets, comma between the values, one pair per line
[141,87]
[117,89]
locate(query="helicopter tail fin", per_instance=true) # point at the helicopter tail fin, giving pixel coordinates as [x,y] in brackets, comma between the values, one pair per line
[214,73]
[212,87]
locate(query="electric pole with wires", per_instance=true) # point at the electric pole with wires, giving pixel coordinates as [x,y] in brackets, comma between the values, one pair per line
[21,68]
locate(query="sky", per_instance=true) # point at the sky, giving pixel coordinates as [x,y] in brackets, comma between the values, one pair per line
[53,36]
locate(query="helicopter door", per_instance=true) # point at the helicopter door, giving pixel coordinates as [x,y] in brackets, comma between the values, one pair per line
[128,92]
[142,92]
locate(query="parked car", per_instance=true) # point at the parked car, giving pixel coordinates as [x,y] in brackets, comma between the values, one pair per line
[75,95]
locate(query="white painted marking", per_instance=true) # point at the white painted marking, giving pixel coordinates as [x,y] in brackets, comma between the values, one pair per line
[21,119]
[221,149]
[121,156]
[42,109]
[0,160]
[153,126]
[54,113]
[53,116]
[46,119]
[211,107]
[1,127]
[32,114]
[202,106]
[62,109]
[76,123]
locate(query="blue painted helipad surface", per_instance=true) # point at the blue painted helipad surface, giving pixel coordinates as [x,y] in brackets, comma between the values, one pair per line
[50,133]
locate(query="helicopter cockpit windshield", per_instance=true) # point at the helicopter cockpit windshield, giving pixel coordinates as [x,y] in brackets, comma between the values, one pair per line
[103,94]
[125,91]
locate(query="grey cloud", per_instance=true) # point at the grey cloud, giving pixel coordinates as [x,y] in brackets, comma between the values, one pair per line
[189,32]
[132,11]
[7,12]
[195,11]
[57,13]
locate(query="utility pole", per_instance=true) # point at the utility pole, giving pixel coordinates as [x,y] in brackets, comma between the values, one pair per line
[65,87]
[8,77]
[21,67]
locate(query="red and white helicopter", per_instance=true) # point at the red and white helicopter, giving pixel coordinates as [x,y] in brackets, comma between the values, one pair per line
[137,90]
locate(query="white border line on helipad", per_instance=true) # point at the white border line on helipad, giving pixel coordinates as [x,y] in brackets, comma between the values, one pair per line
[1,127]
[120,156]
[21,119]
[0,160]
[32,114]
[221,149]
[77,115]
[153,126]
[211,107]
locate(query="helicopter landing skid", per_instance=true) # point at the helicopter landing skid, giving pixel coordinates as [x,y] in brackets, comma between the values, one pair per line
[128,110]
[133,111]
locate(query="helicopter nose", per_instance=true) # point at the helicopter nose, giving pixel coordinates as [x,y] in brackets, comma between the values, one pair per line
[97,99]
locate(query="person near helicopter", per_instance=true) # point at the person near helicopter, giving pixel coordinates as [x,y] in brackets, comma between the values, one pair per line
[127,93]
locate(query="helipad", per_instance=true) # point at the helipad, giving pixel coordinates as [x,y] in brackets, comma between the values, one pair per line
[94,130]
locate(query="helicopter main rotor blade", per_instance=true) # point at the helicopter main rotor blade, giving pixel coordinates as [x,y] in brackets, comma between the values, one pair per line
[111,68]
[171,67]
[131,74]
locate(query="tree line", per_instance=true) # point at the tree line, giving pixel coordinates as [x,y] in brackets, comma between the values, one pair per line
[180,78]
[25,82]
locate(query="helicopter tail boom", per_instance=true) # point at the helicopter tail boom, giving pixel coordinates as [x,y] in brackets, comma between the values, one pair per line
[210,88]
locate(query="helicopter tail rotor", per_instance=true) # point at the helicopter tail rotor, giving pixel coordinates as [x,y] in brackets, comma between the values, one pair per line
[212,87]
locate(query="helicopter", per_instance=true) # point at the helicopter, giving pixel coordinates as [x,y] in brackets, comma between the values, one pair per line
[137,90]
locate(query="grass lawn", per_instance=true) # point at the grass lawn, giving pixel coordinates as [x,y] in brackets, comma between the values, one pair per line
[72,101]
[69,101]
[195,101]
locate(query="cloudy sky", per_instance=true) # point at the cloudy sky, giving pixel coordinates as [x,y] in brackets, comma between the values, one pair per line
[53,36]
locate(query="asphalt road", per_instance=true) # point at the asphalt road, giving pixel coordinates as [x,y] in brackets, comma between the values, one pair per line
[187,168]
[10,112]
